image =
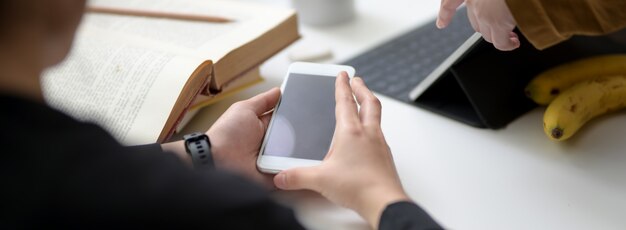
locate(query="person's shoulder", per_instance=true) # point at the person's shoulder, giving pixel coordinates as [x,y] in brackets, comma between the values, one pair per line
[34,128]
[22,114]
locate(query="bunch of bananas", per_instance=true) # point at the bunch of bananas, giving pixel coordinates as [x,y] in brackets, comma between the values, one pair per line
[578,91]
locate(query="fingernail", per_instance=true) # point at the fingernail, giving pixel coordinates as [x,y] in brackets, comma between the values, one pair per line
[281,181]
[438,23]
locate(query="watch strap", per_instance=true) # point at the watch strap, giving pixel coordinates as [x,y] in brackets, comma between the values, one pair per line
[198,146]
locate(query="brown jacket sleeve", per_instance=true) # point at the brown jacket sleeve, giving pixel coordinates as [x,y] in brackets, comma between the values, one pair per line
[547,22]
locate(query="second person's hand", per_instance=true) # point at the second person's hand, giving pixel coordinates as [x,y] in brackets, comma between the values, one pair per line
[491,18]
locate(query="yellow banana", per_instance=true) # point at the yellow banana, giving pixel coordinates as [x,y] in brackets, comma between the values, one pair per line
[582,102]
[547,85]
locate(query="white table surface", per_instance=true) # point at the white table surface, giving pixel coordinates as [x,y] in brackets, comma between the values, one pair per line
[467,178]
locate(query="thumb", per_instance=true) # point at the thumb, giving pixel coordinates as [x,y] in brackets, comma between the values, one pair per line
[298,178]
[263,102]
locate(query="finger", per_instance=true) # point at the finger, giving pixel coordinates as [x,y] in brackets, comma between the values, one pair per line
[370,105]
[447,11]
[263,102]
[330,151]
[472,18]
[298,178]
[502,39]
[345,108]
[485,30]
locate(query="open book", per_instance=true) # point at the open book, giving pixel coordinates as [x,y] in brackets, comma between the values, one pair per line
[241,82]
[137,76]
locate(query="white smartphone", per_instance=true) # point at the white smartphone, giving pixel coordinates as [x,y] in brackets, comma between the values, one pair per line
[303,123]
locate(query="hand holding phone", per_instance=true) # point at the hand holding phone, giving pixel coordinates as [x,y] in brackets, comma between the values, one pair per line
[237,135]
[359,172]
[302,126]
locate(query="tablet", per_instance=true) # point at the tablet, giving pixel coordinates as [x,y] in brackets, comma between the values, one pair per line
[438,72]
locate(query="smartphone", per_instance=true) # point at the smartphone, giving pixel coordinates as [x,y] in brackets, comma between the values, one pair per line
[303,123]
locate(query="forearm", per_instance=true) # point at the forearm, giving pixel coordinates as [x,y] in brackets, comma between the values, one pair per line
[546,23]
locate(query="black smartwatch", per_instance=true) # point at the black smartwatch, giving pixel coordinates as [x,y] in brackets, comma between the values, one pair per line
[198,147]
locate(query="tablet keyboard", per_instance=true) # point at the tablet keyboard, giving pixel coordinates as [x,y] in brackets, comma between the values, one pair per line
[395,67]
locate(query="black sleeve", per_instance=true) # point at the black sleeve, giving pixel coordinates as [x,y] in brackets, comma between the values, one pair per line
[91,181]
[406,216]
[149,148]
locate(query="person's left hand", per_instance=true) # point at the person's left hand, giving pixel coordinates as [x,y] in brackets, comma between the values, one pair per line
[237,135]
[491,18]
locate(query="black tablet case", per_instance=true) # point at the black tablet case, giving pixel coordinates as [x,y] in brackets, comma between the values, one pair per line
[485,87]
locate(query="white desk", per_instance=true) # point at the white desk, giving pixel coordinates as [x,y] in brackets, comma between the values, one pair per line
[468,178]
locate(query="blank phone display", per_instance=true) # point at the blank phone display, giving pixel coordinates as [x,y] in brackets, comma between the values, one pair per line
[304,120]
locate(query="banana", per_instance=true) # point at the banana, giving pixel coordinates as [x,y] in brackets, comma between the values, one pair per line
[582,102]
[547,85]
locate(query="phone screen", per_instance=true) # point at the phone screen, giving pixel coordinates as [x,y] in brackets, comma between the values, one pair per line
[304,121]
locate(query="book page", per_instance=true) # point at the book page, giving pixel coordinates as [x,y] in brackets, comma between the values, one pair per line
[118,83]
[209,40]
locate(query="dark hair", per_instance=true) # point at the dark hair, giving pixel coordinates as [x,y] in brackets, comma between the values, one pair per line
[14,13]
[8,10]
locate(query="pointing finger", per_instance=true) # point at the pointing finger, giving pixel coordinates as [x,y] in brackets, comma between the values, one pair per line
[447,11]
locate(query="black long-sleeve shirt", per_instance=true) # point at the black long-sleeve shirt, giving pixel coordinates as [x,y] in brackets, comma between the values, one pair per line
[59,172]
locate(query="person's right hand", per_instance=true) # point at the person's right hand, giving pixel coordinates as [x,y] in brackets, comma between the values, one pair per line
[358,171]
[491,18]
